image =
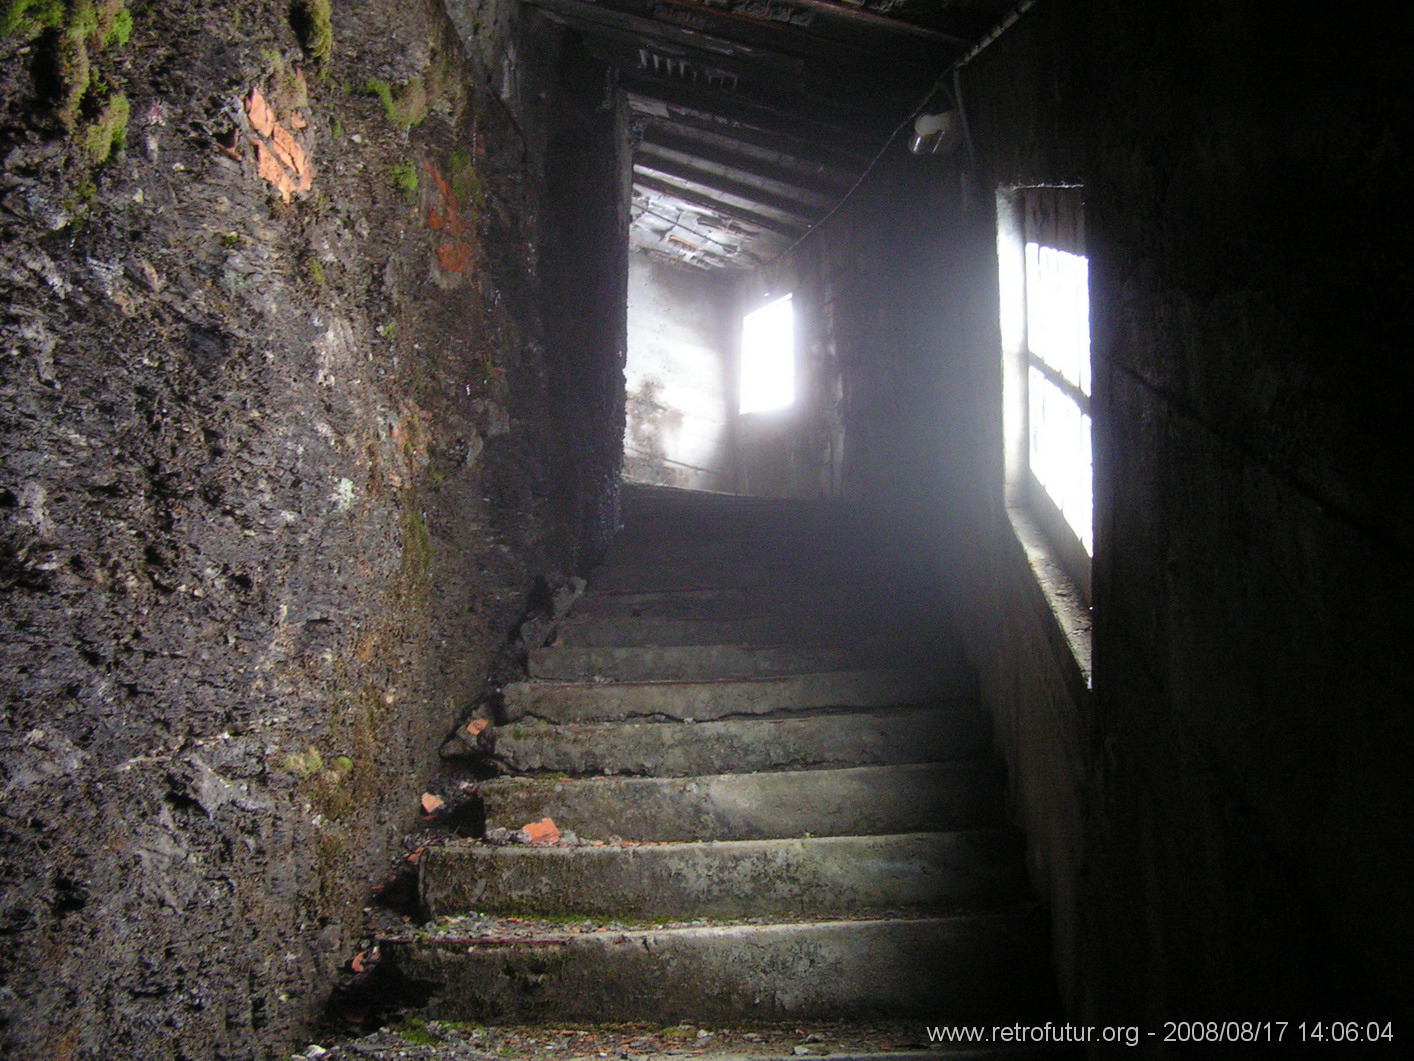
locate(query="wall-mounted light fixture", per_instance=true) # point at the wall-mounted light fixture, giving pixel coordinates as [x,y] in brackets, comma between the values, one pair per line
[935,133]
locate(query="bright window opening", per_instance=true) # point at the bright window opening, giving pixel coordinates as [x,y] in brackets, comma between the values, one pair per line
[768,358]
[1058,383]
[1046,430]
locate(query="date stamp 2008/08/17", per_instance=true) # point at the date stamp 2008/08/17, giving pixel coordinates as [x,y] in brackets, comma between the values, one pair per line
[1182,1031]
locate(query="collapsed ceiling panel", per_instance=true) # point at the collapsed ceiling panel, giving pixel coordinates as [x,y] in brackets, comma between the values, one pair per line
[753,118]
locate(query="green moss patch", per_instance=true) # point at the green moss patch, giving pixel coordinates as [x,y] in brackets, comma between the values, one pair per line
[115,24]
[108,131]
[415,1030]
[405,105]
[313,21]
[405,179]
[465,181]
[74,35]
[30,18]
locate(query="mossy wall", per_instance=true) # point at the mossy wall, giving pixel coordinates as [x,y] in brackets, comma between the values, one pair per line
[276,460]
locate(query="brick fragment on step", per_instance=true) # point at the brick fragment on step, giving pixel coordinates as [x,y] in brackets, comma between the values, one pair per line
[470,739]
[542,832]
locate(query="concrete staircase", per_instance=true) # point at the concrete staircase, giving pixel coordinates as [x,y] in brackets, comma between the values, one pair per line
[777,775]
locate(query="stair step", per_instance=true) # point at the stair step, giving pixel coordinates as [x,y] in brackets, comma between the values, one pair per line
[973,966]
[566,701]
[730,510]
[748,547]
[694,528]
[779,774]
[654,546]
[858,801]
[745,572]
[818,877]
[874,1040]
[792,742]
[812,626]
[948,1053]
[711,662]
[676,601]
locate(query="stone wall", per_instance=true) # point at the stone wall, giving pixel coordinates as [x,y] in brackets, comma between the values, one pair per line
[278,460]
[1252,684]
[584,264]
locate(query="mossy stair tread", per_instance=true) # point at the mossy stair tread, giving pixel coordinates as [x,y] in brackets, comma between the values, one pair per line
[808,877]
[858,801]
[965,964]
[746,601]
[417,1039]
[797,740]
[480,929]
[575,701]
[727,661]
[832,624]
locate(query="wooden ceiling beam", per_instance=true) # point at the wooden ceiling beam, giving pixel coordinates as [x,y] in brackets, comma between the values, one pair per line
[860,130]
[784,208]
[753,163]
[704,201]
[625,24]
[895,54]
[838,104]
[860,16]
[832,41]
[843,156]
[813,30]
[733,179]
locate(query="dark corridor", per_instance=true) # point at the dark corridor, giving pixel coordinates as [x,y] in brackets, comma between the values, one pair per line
[312,363]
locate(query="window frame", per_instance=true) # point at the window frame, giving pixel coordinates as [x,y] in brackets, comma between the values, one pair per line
[1054,550]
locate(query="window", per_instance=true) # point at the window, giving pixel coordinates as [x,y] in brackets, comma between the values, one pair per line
[1058,384]
[1046,340]
[768,358]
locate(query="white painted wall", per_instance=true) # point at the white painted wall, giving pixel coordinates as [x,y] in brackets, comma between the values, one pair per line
[679,377]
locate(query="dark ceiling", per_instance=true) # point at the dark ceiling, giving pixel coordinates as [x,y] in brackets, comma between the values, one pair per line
[753,118]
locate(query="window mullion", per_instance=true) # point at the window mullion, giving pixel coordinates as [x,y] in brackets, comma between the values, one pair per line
[1070,390]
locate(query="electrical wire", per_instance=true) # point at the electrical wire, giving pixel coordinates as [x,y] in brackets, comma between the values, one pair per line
[954,71]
